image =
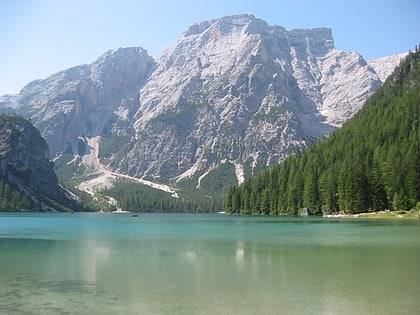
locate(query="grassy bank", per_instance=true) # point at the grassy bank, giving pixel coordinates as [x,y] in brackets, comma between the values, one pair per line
[386,214]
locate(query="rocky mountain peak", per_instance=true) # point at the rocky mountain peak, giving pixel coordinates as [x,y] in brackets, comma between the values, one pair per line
[119,63]
[317,41]
[231,93]
[236,89]
[226,24]
[81,101]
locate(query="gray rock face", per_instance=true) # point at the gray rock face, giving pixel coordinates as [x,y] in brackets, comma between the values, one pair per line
[233,90]
[24,158]
[385,65]
[80,101]
[238,90]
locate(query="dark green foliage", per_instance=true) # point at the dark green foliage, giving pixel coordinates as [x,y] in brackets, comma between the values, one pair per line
[11,199]
[372,163]
[110,144]
[67,170]
[218,178]
[139,198]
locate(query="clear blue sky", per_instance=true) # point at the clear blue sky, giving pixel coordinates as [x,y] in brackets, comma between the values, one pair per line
[41,37]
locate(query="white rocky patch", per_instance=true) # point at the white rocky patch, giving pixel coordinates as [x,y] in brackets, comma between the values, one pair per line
[233,88]
[240,174]
[105,177]
[385,65]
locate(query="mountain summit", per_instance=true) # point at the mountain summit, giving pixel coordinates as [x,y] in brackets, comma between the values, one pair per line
[230,96]
[236,90]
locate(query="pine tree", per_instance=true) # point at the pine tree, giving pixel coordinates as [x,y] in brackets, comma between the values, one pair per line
[371,163]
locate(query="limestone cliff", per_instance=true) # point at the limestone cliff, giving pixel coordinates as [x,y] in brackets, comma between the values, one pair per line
[232,93]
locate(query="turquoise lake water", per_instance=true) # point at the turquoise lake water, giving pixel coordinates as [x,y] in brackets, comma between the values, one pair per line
[207,264]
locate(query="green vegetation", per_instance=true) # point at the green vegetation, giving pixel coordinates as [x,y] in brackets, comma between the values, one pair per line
[135,197]
[11,199]
[412,214]
[372,163]
[70,169]
[114,137]
[108,145]
[216,181]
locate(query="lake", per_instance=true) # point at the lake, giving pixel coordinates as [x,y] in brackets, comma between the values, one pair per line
[207,264]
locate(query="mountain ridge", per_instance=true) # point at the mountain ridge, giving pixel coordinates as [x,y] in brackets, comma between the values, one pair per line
[233,91]
[370,164]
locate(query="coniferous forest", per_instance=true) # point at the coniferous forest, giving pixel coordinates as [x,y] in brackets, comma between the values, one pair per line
[138,198]
[11,199]
[372,163]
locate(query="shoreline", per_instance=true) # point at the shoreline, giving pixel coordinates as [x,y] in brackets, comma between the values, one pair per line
[384,214]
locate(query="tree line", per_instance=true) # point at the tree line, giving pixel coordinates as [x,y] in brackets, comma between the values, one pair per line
[140,198]
[11,199]
[372,163]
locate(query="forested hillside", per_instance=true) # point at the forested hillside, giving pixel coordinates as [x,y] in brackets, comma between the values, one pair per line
[27,178]
[371,163]
[139,198]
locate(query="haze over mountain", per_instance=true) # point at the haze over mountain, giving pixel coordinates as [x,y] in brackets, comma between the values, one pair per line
[232,92]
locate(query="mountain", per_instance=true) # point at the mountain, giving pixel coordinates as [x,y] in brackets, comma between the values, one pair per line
[230,97]
[27,177]
[372,163]
[385,66]
[80,101]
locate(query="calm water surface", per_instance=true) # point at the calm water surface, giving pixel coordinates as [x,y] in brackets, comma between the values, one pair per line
[207,264]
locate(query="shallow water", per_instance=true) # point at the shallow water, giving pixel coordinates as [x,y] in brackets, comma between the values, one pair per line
[207,264]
